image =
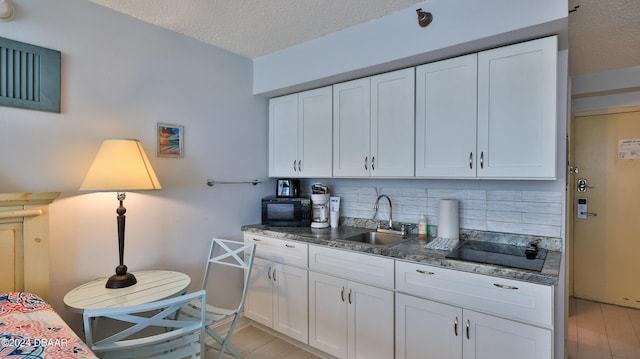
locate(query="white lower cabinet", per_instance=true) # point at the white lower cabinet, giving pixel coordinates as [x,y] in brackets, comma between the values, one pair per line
[354,305]
[428,329]
[484,317]
[490,337]
[277,295]
[349,319]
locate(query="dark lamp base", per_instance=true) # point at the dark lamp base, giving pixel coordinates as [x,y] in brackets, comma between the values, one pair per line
[121,279]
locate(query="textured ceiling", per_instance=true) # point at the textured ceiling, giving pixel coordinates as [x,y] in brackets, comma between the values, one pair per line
[603,34]
[253,28]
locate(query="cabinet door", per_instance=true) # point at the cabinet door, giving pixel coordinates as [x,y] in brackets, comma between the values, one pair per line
[259,302]
[290,302]
[328,314]
[370,322]
[446,109]
[426,329]
[517,88]
[315,132]
[488,337]
[393,124]
[351,133]
[283,136]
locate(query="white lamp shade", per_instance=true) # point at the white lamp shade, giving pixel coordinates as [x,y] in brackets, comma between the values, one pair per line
[120,166]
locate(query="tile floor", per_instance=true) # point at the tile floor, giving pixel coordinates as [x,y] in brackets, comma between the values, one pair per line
[595,331]
[598,330]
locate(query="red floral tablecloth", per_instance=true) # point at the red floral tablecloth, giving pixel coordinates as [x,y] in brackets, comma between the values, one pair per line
[30,328]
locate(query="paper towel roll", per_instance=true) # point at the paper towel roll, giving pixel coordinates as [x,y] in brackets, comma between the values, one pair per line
[448,219]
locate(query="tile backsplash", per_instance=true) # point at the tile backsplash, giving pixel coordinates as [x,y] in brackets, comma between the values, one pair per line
[524,212]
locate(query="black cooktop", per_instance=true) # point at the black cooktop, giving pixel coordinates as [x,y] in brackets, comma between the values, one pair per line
[499,254]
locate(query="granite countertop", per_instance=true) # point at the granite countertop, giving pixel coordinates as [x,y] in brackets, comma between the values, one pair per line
[412,249]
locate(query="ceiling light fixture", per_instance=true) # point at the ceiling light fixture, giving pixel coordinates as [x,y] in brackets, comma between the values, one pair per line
[424,17]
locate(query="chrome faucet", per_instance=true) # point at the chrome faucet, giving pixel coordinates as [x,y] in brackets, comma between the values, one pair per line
[375,206]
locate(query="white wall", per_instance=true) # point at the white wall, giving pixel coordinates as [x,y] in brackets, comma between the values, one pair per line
[396,41]
[121,76]
[605,90]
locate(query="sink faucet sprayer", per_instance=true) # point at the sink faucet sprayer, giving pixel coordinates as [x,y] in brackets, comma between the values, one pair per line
[375,206]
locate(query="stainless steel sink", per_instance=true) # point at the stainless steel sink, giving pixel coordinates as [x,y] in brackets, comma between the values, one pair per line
[376,238]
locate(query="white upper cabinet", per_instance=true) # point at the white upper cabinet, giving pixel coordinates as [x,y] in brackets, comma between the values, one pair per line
[300,134]
[351,128]
[517,87]
[373,120]
[393,124]
[446,93]
[490,115]
[283,136]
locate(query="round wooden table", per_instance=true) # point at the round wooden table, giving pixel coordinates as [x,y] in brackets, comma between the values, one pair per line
[152,286]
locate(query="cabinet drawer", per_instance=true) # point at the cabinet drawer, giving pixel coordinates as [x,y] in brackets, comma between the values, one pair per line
[507,298]
[362,268]
[279,250]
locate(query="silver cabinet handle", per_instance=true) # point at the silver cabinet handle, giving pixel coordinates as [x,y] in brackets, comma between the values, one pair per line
[257,239]
[482,160]
[269,273]
[289,246]
[349,295]
[294,165]
[470,160]
[365,162]
[274,274]
[299,165]
[455,327]
[373,163]
[468,325]
[503,286]
[424,272]
[342,294]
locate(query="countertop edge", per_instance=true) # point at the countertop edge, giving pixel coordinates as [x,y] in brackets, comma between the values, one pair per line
[410,250]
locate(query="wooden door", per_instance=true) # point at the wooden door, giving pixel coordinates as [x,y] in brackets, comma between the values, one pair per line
[606,243]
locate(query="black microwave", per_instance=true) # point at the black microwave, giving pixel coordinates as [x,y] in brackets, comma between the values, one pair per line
[286,212]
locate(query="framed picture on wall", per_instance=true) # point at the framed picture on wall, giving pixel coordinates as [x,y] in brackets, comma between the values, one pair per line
[170,140]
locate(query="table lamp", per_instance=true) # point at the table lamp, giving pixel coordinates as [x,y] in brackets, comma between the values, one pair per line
[120,166]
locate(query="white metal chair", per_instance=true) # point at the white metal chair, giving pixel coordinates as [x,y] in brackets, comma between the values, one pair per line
[151,330]
[224,253]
